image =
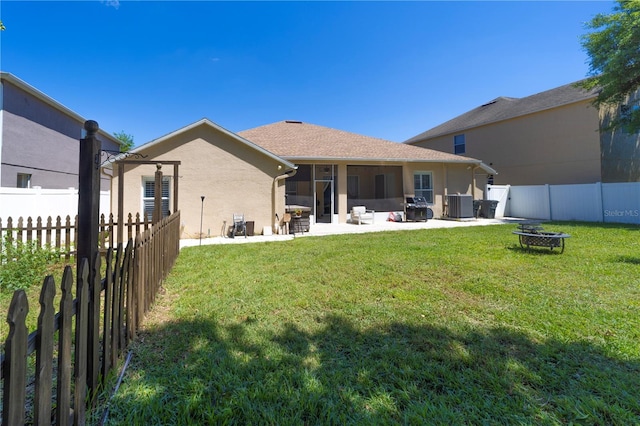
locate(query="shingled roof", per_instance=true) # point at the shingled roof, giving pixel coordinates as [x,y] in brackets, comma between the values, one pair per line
[503,108]
[295,140]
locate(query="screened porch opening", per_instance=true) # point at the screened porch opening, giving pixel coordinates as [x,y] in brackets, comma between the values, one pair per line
[378,188]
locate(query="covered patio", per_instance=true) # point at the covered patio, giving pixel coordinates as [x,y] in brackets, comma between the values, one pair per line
[337,170]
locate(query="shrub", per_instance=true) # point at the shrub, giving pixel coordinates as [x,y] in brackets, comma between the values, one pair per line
[23,264]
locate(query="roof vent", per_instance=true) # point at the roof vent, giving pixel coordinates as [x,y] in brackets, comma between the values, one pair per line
[489,103]
[293,122]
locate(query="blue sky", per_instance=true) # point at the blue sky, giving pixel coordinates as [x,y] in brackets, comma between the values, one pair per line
[384,69]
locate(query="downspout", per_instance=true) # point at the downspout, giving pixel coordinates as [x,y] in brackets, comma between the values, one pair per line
[274,190]
[473,182]
[445,189]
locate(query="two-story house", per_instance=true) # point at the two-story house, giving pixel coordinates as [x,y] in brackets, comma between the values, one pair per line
[39,139]
[553,137]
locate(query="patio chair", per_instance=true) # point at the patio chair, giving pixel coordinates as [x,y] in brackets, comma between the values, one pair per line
[360,214]
[284,223]
[239,226]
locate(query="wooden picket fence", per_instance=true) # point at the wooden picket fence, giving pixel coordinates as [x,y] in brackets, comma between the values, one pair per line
[60,234]
[61,384]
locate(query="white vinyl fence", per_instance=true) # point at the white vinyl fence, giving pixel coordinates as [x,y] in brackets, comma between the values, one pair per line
[596,202]
[34,202]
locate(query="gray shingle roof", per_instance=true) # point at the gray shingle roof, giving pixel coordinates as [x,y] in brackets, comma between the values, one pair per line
[295,140]
[503,108]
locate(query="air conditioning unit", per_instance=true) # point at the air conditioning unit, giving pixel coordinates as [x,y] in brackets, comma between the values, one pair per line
[460,206]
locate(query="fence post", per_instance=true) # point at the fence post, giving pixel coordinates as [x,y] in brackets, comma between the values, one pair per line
[548,191]
[88,218]
[157,202]
[120,202]
[600,199]
[175,188]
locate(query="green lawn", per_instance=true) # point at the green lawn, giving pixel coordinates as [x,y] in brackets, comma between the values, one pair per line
[443,326]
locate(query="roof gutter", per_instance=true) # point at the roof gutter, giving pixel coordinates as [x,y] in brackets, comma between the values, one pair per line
[487,169]
[474,162]
[386,159]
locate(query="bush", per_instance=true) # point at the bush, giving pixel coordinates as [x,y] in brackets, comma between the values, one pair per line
[23,264]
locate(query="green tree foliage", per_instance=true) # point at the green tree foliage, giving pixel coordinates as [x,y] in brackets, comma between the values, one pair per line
[126,141]
[1,26]
[613,46]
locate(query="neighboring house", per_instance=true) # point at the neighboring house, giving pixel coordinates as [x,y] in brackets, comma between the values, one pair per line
[39,139]
[552,137]
[324,169]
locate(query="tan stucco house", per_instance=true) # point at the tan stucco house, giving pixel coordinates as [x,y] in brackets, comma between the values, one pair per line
[553,137]
[233,174]
[262,171]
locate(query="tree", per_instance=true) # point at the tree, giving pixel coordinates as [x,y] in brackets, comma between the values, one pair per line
[1,26]
[126,141]
[614,50]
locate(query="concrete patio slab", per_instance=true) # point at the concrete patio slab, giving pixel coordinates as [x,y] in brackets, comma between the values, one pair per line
[321,229]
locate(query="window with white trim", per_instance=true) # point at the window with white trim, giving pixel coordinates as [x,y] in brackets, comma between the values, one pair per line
[423,185]
[148,196]
[459,145]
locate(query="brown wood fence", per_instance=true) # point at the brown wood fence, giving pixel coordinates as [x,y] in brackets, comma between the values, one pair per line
[60,234]
[69,370]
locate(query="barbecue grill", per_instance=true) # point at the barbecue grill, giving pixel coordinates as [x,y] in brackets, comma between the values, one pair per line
[416,209]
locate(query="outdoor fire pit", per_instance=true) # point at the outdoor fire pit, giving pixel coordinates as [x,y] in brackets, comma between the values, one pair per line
[532,235]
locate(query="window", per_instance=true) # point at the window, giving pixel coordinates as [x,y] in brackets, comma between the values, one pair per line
[459,144]
[148,196]
[423,185]
[24,180]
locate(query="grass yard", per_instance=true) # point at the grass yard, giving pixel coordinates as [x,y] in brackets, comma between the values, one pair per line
[443,326]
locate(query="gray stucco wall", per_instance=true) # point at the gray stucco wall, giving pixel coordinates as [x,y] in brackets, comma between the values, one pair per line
[40,140]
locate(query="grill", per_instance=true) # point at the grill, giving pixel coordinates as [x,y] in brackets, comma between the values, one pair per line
[416,209]
[299,218]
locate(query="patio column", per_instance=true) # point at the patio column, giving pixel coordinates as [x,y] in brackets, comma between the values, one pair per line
[407,181]
[342,193]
